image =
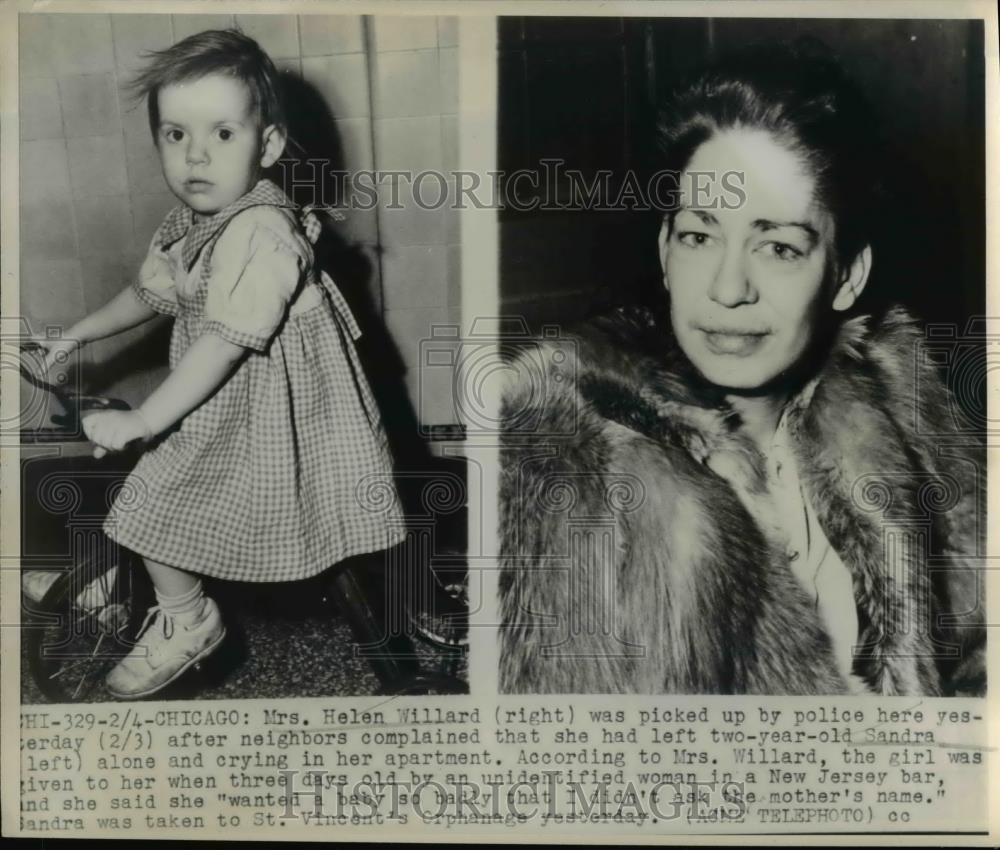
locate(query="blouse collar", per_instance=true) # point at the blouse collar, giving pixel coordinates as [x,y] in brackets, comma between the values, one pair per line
[180,222]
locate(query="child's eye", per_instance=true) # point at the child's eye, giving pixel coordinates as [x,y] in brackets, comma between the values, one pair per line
[782,251]
[225,134]
[173,135]
[694,238]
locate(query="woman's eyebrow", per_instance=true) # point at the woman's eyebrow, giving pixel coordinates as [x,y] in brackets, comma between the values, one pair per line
[706,217]
[766,224]
[166,121]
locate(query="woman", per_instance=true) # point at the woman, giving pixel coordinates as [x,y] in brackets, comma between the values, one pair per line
[742,497]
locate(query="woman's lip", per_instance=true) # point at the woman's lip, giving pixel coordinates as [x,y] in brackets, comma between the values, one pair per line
[735,342]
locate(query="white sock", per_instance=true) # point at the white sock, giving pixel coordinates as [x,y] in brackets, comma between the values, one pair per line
[186,606]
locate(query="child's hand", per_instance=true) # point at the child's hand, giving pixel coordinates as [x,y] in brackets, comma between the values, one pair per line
[113,430]
[56,350]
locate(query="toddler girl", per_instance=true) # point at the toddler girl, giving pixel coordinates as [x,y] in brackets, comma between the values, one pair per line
[267,438]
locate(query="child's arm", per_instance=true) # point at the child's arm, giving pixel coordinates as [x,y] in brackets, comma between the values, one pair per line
[201,371]
[122,312]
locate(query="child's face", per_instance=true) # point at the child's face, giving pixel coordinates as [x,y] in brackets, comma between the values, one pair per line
[211,145]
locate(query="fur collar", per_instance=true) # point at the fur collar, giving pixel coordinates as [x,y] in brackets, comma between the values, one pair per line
[616,400]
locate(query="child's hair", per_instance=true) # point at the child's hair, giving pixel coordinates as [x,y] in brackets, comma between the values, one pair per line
[227,52]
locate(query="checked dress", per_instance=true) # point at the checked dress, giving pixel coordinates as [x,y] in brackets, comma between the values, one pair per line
[285,469]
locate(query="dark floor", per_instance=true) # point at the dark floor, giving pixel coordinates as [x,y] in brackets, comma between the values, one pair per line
[287,642]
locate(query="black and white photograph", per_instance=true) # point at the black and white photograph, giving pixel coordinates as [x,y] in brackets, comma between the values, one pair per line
[236,480]
[499,422]
[746,454]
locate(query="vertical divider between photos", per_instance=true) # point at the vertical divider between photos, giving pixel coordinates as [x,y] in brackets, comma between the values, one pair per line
[477,107]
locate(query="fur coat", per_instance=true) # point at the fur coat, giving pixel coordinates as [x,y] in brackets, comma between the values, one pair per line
[637,548]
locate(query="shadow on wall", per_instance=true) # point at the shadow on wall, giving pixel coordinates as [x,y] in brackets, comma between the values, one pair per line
[314,137]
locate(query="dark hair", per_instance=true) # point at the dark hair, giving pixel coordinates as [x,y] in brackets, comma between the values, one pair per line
[803,98]
[227,52]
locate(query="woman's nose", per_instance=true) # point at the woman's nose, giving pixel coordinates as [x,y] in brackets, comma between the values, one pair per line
[731,285]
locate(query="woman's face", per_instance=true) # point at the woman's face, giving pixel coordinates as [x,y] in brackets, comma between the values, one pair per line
[749,287]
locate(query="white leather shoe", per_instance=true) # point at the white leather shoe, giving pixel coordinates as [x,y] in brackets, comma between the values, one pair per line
[166,648]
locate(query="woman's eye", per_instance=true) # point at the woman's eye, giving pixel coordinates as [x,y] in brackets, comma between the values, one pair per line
[174,135]
[782,251]
[694,238]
